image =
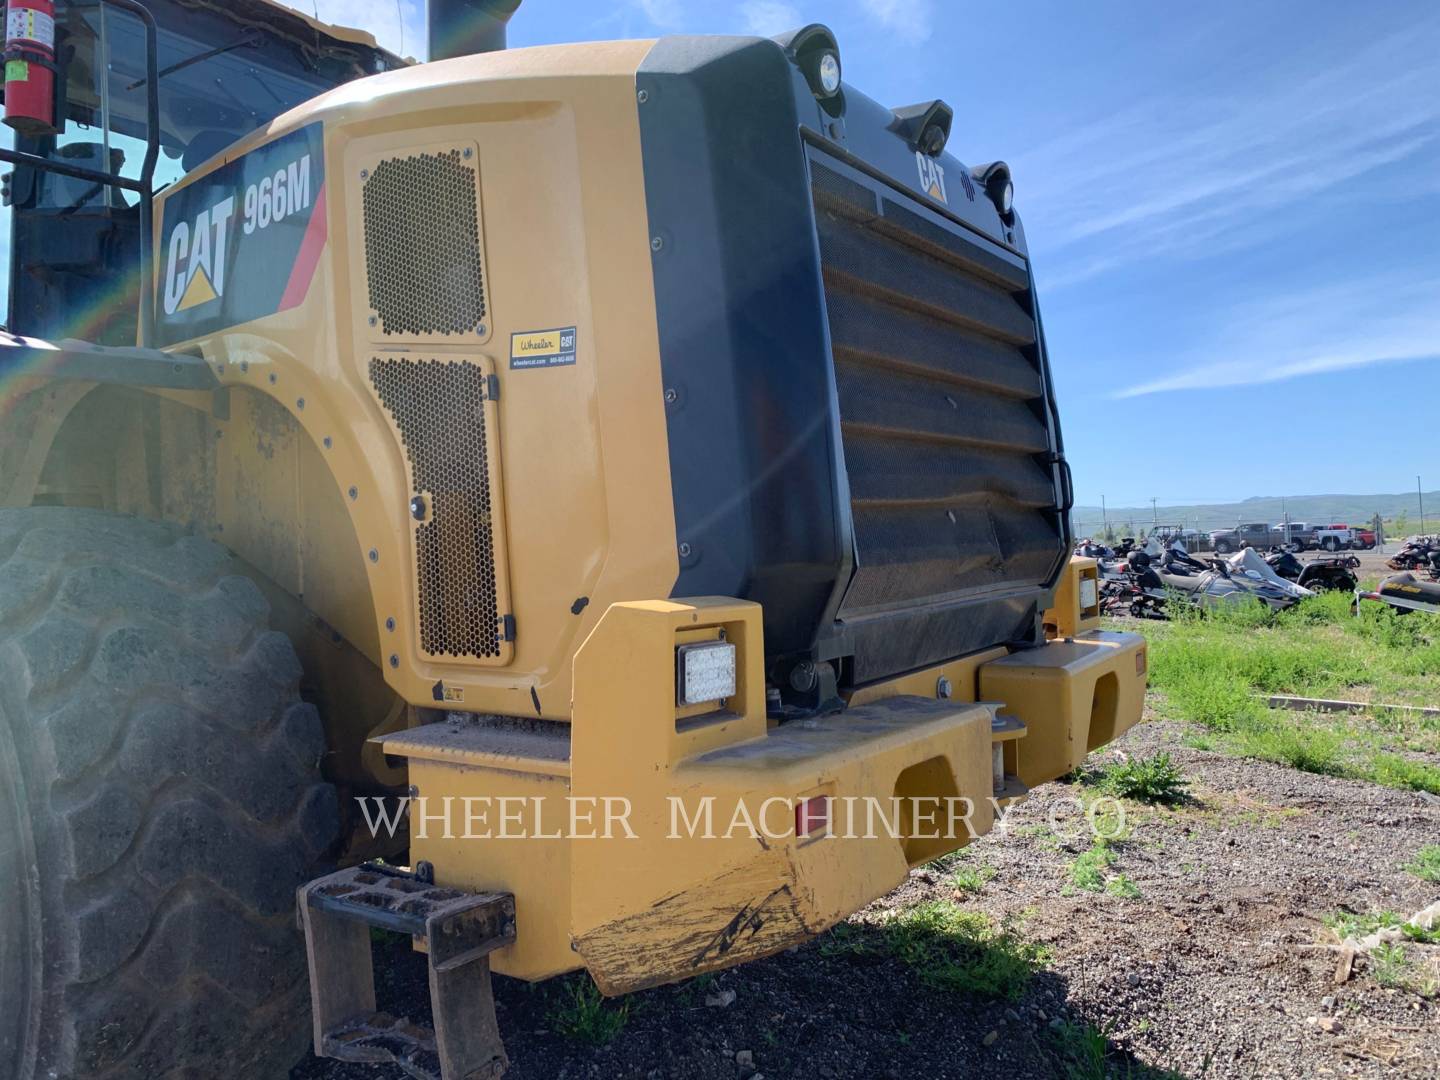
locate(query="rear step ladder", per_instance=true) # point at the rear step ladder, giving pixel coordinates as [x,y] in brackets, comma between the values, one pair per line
[459,930]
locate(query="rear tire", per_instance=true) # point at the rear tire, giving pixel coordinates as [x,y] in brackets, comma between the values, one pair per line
[1331,544]
[160,801]
[1222,547]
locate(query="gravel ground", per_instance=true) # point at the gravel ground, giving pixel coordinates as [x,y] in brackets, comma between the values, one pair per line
[1218,968]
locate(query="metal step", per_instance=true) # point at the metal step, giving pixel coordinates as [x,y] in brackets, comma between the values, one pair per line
[458,930]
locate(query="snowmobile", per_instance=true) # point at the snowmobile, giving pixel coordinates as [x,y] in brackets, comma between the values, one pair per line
[1336,572]
[1251,571]
[1405,592]
[1416,554]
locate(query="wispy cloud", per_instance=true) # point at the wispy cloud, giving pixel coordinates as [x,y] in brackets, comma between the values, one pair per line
[911,21]
[1346,325]
[766,18]
[1180,176]
[666,14]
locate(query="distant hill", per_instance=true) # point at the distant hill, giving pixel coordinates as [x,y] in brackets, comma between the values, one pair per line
[1315,509]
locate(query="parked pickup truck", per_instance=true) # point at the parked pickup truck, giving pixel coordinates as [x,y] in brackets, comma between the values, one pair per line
[1360,536]
[1335,537]
[1255,535]
[1298,535]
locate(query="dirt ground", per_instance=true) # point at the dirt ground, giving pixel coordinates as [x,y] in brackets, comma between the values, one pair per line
[1221,966]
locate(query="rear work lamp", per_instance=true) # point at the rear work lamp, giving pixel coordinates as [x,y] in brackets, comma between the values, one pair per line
[704,672]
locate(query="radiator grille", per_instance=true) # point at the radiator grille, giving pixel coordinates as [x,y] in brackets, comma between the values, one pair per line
[439,409]
[422,245]
[942,405]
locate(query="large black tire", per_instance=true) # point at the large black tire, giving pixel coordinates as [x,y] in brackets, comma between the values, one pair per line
[160,800]
[1222,547]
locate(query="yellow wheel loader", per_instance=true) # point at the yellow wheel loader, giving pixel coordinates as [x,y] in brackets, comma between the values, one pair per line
[590,507]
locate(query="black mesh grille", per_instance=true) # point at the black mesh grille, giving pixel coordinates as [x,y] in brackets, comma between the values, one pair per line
[422,245]
[942,406]
[439,407]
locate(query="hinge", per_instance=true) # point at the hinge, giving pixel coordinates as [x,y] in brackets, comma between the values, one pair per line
[492,387]
[507,628]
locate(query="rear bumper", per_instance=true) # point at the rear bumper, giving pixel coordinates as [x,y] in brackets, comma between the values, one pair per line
[708,870]
[1073,696]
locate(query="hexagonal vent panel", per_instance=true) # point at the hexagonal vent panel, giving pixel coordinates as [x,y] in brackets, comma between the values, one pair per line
[443,411]
[423,260]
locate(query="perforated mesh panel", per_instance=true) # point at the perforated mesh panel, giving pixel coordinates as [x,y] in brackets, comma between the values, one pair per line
[439,408]
[422,245]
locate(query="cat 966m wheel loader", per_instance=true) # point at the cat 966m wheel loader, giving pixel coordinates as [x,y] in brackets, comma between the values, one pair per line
[593,507]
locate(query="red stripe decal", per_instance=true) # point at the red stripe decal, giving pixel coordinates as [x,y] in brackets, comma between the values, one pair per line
[303,272]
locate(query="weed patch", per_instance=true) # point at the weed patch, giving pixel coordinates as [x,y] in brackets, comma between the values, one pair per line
[583,1014]
[1088,871]
[961,951]
[1155,779]
[1085,1054]
[1426,865]
[972,878]
[1091,871]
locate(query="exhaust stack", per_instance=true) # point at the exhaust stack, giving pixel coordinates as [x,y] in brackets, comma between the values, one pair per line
[464,27]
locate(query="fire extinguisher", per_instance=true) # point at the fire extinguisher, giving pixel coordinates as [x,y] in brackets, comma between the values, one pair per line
[30,67]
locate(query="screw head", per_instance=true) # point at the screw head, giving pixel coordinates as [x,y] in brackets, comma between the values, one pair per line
[274,378]
[642,96]
[656,243]
[468,153]
[394,660]
[364,174]
[943,689]
[480,329]
[684,550]
[374,555]
[354,492]
[300,404]
[244,365]
[374,321]
[671,396]
[390,624]
[329,442]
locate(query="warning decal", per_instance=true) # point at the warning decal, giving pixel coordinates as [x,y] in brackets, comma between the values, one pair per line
[543,348]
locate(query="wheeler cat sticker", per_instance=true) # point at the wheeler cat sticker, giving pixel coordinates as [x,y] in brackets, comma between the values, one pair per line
[244,241]
[543,348]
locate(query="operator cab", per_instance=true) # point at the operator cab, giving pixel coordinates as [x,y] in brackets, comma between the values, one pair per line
[72,244]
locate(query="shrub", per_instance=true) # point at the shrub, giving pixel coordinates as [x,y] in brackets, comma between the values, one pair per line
[1154,779]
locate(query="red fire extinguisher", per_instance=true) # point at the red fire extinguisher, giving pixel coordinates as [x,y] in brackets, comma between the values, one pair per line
[30,66]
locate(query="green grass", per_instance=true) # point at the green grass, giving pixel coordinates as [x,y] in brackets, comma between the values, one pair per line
[1154,779]
[1350,924]
[583,1014]
[961,951]
[972,878]
[1088,871]
[1091,871]
[1390,965]
[1082,1048]
[1086,1054]
[1216,670]
[1426,865]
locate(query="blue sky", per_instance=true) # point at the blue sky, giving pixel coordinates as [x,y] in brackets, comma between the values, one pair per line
[1233,211]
